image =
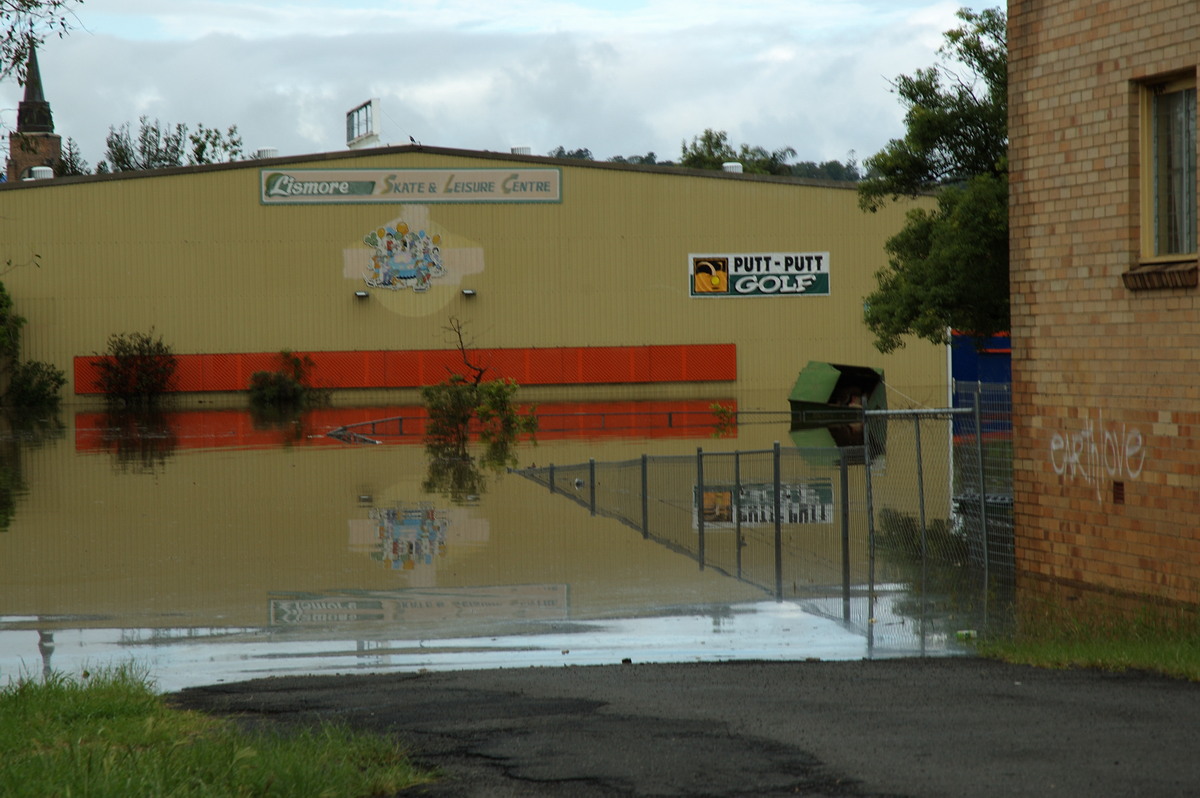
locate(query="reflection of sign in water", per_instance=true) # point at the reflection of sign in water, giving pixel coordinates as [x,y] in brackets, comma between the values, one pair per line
[727,506]
[409,536]
[421,606]
[759,274]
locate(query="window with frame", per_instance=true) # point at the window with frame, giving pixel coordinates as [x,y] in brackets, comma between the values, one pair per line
[1169,169]
[1168,186]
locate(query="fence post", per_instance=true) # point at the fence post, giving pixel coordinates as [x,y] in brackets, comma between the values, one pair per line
[592,484]
[736,503]
[778,529]
[550,477]
[920,485]
[983,521]
[845,474]
[700,506]
[924,526]
[645,500]
[870,525]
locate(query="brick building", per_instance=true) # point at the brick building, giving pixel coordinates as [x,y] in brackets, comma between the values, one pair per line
[1106,391]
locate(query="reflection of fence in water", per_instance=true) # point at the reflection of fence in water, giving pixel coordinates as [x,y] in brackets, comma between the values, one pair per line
[807,538]
[900,538]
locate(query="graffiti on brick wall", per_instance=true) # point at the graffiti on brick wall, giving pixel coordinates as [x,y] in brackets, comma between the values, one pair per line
[1098,451]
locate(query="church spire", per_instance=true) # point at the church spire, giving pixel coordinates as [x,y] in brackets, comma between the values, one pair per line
[33,113]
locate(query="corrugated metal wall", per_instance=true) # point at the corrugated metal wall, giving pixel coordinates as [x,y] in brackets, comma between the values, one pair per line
[195,256]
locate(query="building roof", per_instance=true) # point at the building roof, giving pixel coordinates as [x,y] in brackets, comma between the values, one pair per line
[410,149]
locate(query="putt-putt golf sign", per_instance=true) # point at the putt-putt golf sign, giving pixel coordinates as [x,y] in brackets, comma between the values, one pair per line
[759,274]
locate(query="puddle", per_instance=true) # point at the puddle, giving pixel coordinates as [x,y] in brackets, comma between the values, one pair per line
[206,563]
[183,657]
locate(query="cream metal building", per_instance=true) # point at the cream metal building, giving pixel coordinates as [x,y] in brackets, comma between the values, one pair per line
[586,278]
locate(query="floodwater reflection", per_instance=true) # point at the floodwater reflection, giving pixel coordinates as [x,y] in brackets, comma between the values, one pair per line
[235,555]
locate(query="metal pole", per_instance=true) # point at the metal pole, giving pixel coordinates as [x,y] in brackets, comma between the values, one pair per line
[700,506]
[778,530]
[983,499]
[845,469]
[924,532]
[737,508]
[592,484]
[870,521]
[645,500]
[550,477]
[982,496]
[920,484]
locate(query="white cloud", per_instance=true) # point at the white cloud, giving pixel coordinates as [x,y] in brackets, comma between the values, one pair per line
[620,77]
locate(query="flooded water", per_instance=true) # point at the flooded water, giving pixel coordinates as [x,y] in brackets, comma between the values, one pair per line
[207,549]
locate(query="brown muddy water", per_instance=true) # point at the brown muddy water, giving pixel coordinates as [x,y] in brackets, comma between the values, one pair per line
[205,548]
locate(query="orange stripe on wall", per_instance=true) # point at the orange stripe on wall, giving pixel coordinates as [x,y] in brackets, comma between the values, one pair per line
[582,365]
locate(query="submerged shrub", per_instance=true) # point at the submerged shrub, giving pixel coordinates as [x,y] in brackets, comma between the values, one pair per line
[136,369]
[286,388]
[34,383]
[275,388]
[31,384]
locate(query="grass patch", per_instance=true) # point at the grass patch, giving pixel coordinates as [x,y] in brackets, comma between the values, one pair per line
[110,734]
[1103,635]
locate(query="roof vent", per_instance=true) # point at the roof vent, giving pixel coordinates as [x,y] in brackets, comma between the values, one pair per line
[732,166]
[522,151]
[41,173]
[265,152]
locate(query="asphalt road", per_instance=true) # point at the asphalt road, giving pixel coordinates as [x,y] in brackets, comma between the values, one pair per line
[932,727]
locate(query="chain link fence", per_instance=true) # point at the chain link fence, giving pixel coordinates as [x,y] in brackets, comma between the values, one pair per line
[941,519]
[780,518]
[911,530]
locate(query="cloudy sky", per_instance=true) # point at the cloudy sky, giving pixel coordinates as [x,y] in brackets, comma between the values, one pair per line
[619,77]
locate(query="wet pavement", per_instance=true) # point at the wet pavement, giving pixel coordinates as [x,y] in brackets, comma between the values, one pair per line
[909,727]
[184,657]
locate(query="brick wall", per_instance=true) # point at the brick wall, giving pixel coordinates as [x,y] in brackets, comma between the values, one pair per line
[1106,380]
[26,150]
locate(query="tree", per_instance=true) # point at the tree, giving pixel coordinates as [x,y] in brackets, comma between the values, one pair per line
[158,146]
[461,406]
[947,268]
[649,159]
[71,162]
[136,370]
[581,154]
[711,150]
[155,147]
[828,170]
[25,23]
[31,383]
[209,145]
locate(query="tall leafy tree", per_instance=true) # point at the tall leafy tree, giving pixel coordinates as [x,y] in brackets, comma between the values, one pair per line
[155,146]
[158,146]
[708,150]
[948,267]
[829,170]
[711,149]
[210,145]
[581,154]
